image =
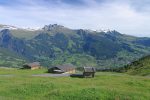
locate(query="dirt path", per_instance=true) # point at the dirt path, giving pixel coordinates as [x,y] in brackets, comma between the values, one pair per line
[8,75]
[52,75]
[40,75]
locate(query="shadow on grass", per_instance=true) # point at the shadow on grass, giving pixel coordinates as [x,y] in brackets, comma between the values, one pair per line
[76,75]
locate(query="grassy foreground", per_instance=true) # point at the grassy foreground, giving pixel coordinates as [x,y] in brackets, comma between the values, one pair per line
[21,85]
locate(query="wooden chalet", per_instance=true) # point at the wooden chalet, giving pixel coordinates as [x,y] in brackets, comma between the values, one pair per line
[89,72]
[32,66]
[66,68]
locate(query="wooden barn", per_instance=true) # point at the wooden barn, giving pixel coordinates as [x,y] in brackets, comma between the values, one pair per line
[89,72]
[66,68]
[32,66]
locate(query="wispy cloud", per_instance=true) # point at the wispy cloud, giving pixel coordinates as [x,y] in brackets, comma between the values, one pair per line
[130,16]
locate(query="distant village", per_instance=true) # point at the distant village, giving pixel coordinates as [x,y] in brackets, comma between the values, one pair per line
[63,69]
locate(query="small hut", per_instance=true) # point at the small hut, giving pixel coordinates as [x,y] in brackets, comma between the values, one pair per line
[89,72]
[66,68]
[32,66]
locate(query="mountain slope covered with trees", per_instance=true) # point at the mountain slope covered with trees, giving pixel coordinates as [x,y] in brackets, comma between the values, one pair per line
[56,44]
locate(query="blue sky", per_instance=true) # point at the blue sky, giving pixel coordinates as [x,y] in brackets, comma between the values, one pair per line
[126,16]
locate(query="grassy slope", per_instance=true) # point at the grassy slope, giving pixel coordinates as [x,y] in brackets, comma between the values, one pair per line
[139,67]
[9,58]
[24,34]
[105,86]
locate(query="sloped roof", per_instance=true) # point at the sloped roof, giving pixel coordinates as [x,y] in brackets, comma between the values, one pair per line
[89,69]
[34,64]
[65,67]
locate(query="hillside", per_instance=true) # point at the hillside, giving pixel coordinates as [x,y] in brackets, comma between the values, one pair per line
[139,67]
[56,44]
[10,59]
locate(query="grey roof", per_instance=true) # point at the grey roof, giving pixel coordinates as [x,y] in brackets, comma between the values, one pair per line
[89,69]
[65,67]
[34,64]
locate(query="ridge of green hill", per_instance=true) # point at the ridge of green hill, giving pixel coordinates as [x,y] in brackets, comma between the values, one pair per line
[139,67]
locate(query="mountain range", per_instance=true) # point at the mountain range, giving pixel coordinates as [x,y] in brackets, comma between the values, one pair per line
[56,44]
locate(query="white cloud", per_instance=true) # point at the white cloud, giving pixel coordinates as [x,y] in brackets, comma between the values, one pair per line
[116,15]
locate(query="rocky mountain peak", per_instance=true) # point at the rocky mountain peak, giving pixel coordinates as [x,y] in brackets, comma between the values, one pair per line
[52,27]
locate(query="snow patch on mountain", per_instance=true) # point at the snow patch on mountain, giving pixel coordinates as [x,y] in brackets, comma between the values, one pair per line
[8,27]
[104,30]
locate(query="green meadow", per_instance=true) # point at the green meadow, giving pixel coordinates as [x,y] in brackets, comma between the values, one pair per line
[18,84]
